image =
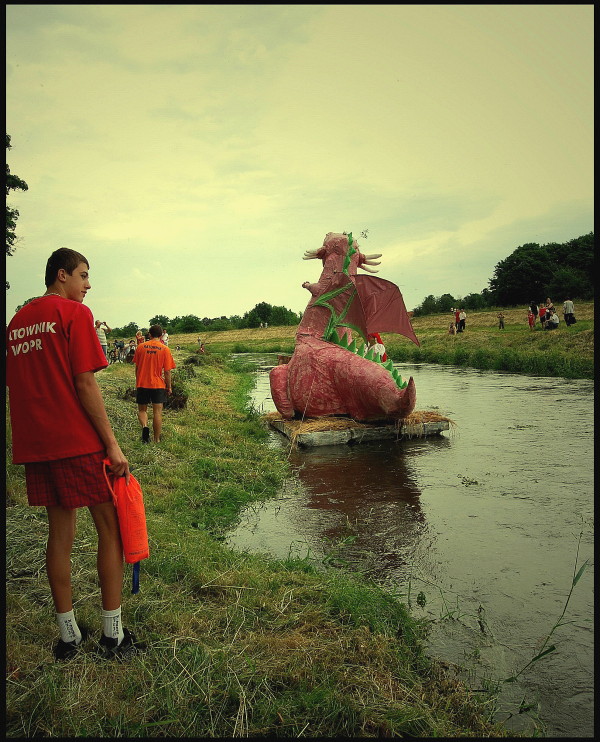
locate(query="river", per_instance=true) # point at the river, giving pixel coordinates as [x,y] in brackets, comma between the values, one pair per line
[482,528]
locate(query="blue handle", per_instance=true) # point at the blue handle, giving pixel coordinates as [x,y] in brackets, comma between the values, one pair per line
[135,581]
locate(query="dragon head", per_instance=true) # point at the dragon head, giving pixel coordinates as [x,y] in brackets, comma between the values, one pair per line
[340,252]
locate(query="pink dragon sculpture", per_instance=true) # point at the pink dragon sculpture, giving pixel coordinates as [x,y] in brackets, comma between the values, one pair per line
[328,373]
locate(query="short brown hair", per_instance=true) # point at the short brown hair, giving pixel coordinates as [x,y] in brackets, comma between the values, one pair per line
[62,258]
[155,331]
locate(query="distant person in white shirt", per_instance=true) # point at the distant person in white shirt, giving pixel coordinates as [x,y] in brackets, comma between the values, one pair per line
[569,312]
[101,330]
[164,338]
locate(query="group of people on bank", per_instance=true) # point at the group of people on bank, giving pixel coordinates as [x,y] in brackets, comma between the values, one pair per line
[459,324]
[546,312]
[117,352]
[548,316]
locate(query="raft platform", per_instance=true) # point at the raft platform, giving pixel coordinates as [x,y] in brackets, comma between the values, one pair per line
[336,431]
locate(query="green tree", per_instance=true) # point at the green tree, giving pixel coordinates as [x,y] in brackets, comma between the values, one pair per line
[427,306]
[281,316]
[446,302]
[474,302]
[259,313]
[524,275]
[570,282]
[219,324]
[162,320]
[533,272]
[187,323]
[13,183]
[25,302]
[128,330]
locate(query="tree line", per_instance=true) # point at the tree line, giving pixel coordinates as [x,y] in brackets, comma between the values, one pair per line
[261,314]
[532,272]
[12,183]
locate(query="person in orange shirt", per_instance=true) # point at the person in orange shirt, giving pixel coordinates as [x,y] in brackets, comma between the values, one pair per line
[153,365]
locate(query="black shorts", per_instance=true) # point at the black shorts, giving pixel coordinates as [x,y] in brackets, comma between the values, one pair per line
[145,396]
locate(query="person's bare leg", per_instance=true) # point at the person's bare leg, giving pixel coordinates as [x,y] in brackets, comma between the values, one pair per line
[143,415]
[157,411]
[61,534]
[110,554]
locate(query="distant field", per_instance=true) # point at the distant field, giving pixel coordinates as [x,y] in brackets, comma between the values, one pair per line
[513,316]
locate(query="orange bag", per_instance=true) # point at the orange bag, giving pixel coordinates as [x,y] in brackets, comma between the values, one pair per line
[129,502]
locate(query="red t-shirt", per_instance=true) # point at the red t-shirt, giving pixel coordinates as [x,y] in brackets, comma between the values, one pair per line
[151,358]
[49,342]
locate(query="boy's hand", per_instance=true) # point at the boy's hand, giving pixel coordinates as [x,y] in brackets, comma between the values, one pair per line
[118,463]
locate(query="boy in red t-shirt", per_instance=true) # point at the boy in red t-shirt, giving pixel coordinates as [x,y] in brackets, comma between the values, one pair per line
[153,365]
[61,433]
[543,316]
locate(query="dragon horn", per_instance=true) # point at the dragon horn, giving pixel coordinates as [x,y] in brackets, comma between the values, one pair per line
[374,255]
[371,270]
[372,262]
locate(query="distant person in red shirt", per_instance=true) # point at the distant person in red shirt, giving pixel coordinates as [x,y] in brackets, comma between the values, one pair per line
[61,433]
[153,365]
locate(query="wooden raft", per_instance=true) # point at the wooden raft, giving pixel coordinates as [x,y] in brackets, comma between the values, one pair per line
[332,431]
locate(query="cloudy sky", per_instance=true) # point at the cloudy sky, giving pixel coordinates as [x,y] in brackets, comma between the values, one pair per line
[193,152]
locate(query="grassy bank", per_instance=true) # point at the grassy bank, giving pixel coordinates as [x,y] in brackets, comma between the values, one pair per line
[241,645]
[567,352]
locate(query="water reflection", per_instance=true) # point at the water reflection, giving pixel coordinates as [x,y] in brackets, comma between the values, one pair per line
[372,498]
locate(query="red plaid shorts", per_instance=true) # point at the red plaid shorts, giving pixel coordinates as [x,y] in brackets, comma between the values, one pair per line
[76,482]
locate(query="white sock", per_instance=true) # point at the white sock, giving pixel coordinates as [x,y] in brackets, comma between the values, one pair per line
[111,624]
[69,631]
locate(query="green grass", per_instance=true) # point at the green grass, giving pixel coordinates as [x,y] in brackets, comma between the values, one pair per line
[518,350]
[241,645]
[566,352]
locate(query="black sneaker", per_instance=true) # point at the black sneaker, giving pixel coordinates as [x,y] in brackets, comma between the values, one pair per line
[67,650]
[145,435]
[109,649]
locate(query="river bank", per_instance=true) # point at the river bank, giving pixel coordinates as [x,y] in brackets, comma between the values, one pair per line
[241,645]
[567,352]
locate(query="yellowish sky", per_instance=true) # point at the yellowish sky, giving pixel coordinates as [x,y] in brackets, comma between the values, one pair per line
[193,152]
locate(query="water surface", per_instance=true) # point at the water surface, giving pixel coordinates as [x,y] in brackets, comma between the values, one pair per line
[482,524]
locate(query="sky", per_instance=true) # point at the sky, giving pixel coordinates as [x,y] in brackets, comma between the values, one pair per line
[193,152]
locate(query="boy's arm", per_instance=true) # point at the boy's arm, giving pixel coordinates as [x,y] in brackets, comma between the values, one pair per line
[168,380]
[90,397]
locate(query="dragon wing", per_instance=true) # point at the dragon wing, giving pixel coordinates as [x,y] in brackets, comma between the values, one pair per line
[365,304]
[383,307]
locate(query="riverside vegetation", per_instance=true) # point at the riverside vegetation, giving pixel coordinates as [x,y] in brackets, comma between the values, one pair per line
[567,352]
[241,644]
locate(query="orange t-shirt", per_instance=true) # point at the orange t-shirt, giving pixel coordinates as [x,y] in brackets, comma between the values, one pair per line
[151,359]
